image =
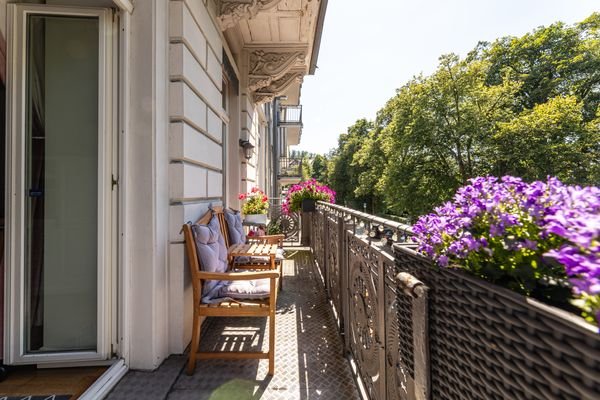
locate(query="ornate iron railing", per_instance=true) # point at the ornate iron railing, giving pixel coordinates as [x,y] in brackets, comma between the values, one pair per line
[290,116]
[380,316]
[287,224]
[416,331]
[290,167]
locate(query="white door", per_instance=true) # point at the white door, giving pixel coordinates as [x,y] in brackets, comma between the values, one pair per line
[60,205]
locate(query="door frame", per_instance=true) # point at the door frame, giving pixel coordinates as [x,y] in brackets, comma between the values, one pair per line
[15,322]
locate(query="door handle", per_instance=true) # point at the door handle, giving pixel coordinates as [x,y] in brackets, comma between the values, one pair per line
[36,192]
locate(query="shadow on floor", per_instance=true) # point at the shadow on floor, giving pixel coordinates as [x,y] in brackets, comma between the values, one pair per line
[308,353]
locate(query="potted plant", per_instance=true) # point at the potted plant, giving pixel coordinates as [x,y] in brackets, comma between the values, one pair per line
[255,207]
[540,239]
[304,196]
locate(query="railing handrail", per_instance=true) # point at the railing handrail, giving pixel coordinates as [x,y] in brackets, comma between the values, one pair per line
[397,226]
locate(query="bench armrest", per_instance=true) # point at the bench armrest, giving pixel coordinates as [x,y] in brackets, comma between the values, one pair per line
[237,276]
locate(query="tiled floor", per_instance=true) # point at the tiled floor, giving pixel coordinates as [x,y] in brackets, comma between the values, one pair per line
[308,356]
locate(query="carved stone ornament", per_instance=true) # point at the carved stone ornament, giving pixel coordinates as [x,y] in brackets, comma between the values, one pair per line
[231,12]
[278,86]
[265,68]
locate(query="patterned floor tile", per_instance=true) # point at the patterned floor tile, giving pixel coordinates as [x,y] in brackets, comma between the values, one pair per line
[308,351]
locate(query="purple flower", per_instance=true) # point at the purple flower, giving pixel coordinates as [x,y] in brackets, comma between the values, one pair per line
[513,225]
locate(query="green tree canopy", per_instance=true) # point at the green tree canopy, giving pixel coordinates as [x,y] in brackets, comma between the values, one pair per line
[526,106]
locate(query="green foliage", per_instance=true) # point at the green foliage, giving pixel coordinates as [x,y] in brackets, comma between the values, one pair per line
[319,168]
[305,169]
[342,174]
[526,106]
[274,228]
[552,138]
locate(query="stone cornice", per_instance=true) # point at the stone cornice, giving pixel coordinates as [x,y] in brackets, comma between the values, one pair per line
[278,86]
[267,67]
[231,12]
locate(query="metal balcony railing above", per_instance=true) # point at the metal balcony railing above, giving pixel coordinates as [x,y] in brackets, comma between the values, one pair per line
[290,167]
[290,116]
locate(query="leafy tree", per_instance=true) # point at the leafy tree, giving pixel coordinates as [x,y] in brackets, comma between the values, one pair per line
[550,61]
[550,139]
[305,168]
[341,175]
[439,132]
[319,168]
[527,106]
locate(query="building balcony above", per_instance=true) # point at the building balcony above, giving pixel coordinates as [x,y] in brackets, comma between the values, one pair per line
[290,170]
[290,116]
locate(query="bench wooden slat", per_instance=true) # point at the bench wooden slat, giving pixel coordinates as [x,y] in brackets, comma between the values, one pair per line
[247,308]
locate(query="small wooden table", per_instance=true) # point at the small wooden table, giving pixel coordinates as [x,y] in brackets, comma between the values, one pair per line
[253,250]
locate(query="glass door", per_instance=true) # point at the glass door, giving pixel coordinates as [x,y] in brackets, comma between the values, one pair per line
[61,167]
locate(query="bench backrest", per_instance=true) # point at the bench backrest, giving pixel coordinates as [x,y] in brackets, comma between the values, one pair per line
[192,252]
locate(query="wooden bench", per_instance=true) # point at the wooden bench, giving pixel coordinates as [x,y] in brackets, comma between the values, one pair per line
[269,239]
[245,308]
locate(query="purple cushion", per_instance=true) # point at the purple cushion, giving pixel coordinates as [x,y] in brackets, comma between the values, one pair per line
[246,290]
[212,255]
[234,225]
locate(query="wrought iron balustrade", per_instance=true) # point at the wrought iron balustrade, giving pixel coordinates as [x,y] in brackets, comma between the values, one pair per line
[416,331]
[290,167]
[290,116]
[380,314]
[286,224]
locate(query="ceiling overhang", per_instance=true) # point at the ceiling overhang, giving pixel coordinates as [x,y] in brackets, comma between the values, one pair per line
[274,41]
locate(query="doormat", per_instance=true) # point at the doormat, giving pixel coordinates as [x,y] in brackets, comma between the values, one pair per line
[38,397]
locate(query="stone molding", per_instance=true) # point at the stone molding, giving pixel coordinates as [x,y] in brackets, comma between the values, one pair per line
[267,67]
[278,86]
[231,12]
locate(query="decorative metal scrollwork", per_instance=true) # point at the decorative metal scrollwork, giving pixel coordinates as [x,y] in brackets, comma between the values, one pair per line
[288,223]
[364,335]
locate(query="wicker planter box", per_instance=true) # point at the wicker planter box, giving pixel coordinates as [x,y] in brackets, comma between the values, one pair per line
[487,342]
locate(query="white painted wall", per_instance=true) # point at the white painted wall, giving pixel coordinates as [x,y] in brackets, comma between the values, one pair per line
[195,144]
[146,186]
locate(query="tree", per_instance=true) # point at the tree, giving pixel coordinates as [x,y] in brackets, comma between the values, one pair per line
[549,62]
[319,168]
[550,139]
[439,132]
[341,174]
[526,106]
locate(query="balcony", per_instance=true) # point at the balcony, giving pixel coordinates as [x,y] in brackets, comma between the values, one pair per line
[362,315]
[290,170]
[290,118]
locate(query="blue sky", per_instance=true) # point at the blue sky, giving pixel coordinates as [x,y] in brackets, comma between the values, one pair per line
[370,48]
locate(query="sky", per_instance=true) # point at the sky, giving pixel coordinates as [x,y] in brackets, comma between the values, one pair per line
[371,48]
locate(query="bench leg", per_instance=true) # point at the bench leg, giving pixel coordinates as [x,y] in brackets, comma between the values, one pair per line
[195,345]
[272,343]
[280,275]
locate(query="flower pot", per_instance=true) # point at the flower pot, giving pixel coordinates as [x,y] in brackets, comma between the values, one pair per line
[259,219]
[506,335]
[309,205]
